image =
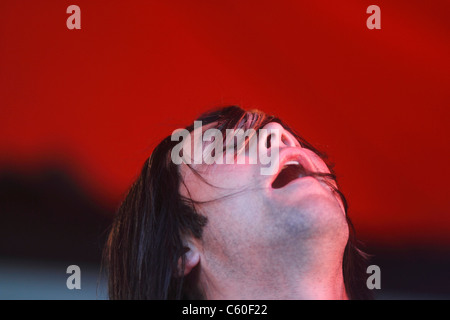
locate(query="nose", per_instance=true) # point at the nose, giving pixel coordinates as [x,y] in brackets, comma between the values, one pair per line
[276,135]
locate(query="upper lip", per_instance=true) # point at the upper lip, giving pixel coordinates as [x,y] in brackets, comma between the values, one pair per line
[290,154]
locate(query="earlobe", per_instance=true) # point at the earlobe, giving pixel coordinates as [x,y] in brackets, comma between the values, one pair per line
[192,258]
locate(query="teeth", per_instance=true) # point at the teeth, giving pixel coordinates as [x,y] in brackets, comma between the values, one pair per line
[292,162]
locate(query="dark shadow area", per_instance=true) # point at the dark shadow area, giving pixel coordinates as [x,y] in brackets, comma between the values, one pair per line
[47,216]
[413,272]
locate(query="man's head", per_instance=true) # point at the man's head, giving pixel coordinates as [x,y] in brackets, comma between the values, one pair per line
[185,228]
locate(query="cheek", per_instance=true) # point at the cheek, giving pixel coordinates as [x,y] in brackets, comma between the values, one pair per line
[233,177]
[320,166]
[234,221]
[318,163]
[220,180]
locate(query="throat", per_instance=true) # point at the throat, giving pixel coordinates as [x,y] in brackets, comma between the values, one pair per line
[308,280]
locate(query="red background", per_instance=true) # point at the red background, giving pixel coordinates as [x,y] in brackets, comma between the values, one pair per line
[97,100]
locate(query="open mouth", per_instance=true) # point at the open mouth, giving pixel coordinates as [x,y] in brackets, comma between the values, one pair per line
[291,170]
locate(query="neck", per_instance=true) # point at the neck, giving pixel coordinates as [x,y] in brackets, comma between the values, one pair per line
[302,279]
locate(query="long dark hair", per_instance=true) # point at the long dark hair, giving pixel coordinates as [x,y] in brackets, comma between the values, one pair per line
[146,238]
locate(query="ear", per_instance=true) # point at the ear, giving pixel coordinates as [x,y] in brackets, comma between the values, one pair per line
[192,258]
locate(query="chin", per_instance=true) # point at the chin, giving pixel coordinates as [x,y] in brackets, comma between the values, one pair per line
[315,214]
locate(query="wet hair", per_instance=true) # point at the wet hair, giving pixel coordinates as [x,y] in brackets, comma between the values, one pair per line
[145,242]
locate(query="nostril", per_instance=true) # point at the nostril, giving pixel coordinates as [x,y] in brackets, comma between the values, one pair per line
[269,141]
[285,139]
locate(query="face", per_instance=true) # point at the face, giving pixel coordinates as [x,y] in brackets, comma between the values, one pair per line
[252,217]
